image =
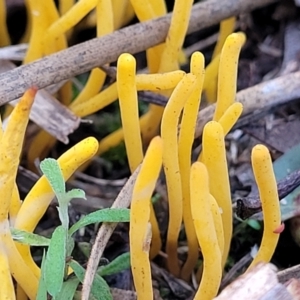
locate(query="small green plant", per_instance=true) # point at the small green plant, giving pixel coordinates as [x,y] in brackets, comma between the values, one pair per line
[60,274]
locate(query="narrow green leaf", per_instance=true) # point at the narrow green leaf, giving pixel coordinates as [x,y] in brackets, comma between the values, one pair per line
[103,215]
[52,171]
[119,264]
[29,238]
[68,289]
[55,261]
[100,290]
[75,193]
[42,289]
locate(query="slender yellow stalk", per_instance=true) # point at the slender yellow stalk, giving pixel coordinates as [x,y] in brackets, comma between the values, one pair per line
[226,28]
[139,219]
[205,230]
[171,165]
[105,25]
[4,35]
[129,109]
[214,157]
[131,128]
[7,291]
[217,217]
[152,82]
[176,35]
[39,26]
[227,76]
[230,116]
[267,187]
[40,196]
[10,149]
[210,84]
[169,59]
[65,5]
[229,119]
[15,205]
[158,82]
[119,8]
[72,17]
[18,268]
[186,138]
[99,101]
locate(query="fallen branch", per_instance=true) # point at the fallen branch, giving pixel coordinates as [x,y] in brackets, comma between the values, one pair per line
[258,98]
[100,51]
[249,206]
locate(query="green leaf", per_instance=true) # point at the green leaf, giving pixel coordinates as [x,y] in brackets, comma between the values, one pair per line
[103,215]
[100,290]
[254,224]
[55,261]
[119,264]
[53,173]
[42,289]
[75,193]
[29,238]
[68,289]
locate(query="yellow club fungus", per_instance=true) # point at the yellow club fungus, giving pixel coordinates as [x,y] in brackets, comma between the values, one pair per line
[131,128]
[40,196]
[159,81]
[10,151]
[7,290]
[211,77]
[146,10]
[217,217]
[210,84]
[151,82]
[169,59]
[139,219]
[227,76]
[229,119]
[105,25]
[267,187]
[226,28]
[185,142]
[205,230]
[65,5]
[169,124]
[214,157]
[15,202]
[129,109]
[70,18]
[230,116]
[4,35]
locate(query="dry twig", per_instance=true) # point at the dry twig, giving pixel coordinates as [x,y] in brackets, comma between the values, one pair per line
[100,51]
[122,201]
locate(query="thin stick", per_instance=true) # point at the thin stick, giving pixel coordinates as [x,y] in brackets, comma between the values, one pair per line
[249,206]
[100,51]
[122,201]
[258,98]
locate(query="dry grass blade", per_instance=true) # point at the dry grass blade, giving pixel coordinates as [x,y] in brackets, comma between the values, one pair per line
[100,51]
[122,201]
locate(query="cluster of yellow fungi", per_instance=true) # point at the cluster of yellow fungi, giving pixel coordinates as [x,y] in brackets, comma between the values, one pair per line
[199,193]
